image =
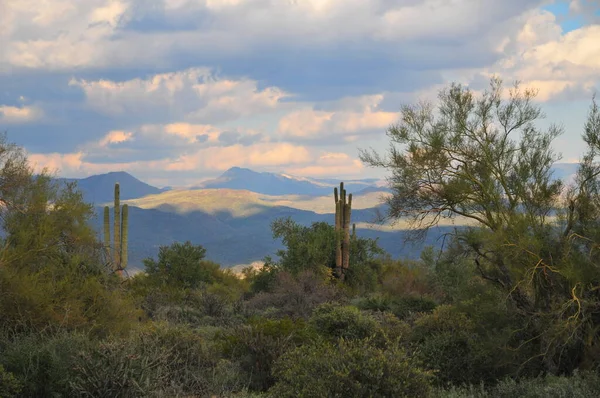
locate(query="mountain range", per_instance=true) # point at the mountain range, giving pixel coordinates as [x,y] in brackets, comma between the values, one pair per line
[231,215]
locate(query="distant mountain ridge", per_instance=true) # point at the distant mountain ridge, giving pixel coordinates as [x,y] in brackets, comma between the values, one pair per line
[232,219]
[279,184]
[98,189]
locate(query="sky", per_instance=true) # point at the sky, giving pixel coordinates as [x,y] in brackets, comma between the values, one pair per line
[178,91]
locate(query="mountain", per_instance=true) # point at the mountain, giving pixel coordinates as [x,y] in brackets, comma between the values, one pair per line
[237,203]
[278,184]
[232,241]
[99,189]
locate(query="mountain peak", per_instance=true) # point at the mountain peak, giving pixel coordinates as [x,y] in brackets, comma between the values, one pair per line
[99,188]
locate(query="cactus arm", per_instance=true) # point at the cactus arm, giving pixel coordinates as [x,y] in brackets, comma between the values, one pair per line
[106,227]
[124,235]
[117,227]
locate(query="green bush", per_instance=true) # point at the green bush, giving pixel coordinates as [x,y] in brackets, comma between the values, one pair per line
[403,307]
[9,385]
[160,360]
[348,369]
[43,364]
[257,344]
[447,341]
[334,321]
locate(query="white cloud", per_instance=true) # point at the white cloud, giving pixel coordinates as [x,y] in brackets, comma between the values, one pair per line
[59,34]
[350,118]
[278,56]
[330,164]
[194,94]
[18,115]
[116,137]
[541,56]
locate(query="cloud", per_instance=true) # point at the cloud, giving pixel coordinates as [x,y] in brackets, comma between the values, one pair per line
[197,164]
[21,114]
[116,137]
[350,118]
[559,65]
[177,142]
[179,90]
[195,94]
[59,34]
[330,164]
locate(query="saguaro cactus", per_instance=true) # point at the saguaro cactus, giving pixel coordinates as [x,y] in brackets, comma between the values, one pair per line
[117,226]
[343,211]
[120,236]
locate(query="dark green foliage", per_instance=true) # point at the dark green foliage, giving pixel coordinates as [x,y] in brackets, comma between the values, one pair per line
[181,265]
[263,279]
[43,364]
[257,344]
[448,342]
[335,321]
[348,369]
[161,360]
[484,160]
[9,385]
[313,248]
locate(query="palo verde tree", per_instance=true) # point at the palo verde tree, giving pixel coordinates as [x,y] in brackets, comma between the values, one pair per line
[483,160]
[51,273]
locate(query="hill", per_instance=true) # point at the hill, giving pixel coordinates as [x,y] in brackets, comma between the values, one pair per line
[99,189]
[243,203]
[278,184]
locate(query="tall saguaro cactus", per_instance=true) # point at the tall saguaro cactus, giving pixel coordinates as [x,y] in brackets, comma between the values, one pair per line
[117,226]
[343,211]
[120,235]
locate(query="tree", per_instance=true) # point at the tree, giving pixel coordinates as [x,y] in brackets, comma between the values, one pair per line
[314,248]
[51,271]
[485,161]
[44,220]
[181,265]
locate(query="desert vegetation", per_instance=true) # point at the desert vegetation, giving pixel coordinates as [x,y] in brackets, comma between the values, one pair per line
[509,307]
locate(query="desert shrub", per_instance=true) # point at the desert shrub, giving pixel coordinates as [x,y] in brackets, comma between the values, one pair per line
[262,279]
[404,307]
[62,297]
[335,321]
[257,344]
[182,265]
[159,361]
[405,278]
[374,302]
[391,329]
[294,297]
[348,369]
[43,365]
[9,385]
[447,341]
[579,385]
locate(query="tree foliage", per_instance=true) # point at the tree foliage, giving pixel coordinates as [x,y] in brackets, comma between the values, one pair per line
[483,160]
[313,248]
[181,265]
